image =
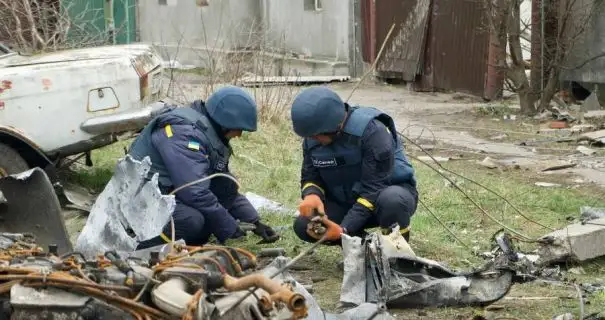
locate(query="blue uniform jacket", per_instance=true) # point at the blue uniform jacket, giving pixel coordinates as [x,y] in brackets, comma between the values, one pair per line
[185,158]
[377,146]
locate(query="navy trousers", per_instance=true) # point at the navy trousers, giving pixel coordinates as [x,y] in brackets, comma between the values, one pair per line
[394,205]
[190,224]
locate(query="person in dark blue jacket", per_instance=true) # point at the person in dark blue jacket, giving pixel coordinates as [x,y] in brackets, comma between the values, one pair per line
[355,173]
[187,143]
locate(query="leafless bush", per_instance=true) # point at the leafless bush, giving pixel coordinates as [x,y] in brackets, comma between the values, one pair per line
[255,60]
[32,26]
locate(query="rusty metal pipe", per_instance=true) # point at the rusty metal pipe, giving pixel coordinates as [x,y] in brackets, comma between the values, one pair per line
[294,301]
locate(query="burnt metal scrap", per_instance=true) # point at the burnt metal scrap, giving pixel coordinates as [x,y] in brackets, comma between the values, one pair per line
[193,283]
[130,209]
[186,282]
[381,269]
[29,204]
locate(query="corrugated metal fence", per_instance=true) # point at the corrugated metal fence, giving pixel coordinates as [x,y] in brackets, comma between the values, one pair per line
[436,44]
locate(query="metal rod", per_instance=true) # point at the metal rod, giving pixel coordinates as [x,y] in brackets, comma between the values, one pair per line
[278,272]
[380,308]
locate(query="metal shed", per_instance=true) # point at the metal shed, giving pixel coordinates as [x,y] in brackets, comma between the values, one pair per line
[585,65]
[436,44]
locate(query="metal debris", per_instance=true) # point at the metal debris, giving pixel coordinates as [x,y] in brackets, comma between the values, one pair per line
[129,210]
[31,205]
[195,283]
[395,276]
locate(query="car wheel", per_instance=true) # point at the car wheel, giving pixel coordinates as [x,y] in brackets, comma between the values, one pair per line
[11,161]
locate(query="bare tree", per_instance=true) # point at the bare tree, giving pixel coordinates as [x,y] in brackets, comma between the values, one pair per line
[557,27]
[32,26]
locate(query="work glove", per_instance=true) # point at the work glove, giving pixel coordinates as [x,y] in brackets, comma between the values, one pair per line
[333,230]
[311,203]
[264,231]
[239,233]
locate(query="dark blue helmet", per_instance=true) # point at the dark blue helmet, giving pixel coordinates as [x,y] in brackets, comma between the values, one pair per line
[232,108]
[317,110]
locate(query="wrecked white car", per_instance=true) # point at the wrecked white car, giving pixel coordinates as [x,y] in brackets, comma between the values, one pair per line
[70,102]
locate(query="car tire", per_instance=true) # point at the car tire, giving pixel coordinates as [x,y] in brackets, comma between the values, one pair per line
[11,161]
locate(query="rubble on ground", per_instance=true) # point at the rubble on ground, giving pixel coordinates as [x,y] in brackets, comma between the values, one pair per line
[189,283]
[577,242]
[590,213]
[382,269]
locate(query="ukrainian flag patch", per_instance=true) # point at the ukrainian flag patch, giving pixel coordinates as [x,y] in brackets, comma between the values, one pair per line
[193,145]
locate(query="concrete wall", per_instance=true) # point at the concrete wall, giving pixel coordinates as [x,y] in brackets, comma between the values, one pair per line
[313,34]
[223,25]
[324,42]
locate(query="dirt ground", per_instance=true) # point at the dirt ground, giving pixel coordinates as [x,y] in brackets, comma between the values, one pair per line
[453,126]
[450,124]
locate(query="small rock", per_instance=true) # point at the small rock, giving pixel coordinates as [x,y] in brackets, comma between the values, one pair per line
[438,159]
[566,316]
[591,213]
[582,128]
[489,163]
[594,114]
[558,132]
[510,117]
[544,115]
[585,150]
[547,184]
[577,270]
[499,137]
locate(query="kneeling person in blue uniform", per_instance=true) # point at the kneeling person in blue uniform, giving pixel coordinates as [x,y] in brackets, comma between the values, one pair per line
[191,142]
[355,174]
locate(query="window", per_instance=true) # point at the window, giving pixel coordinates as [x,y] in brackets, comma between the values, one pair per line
[313,5]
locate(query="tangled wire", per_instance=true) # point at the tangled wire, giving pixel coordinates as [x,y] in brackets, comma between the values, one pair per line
[68,272]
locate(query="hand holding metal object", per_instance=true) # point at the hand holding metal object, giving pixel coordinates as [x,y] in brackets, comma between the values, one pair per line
[316,228]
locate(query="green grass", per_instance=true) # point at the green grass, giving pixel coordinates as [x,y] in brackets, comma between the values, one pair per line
[268,163]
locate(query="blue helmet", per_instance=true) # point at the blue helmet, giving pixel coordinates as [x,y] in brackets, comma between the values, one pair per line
[232,108]
[317,110]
